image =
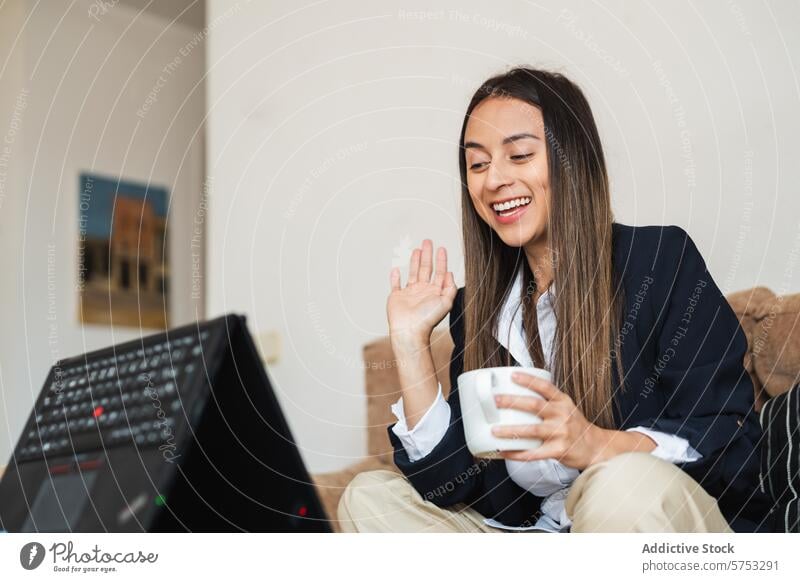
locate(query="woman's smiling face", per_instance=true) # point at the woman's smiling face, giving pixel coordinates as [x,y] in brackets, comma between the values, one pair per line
[506,157]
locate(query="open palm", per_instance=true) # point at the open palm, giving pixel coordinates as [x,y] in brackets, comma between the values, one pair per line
[414,310]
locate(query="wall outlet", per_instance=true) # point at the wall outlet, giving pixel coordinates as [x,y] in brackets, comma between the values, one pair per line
[269,346]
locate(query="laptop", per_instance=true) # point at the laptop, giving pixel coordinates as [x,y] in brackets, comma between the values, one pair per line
[178,431]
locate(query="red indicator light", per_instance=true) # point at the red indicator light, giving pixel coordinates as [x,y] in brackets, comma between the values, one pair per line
[303,511]
[98,411]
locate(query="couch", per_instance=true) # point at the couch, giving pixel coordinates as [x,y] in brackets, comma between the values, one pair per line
[772,326]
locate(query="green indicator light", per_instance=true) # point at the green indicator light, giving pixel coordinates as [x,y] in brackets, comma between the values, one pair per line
[161,501]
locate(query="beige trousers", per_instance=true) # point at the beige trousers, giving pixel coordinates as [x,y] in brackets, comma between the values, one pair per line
[632,492]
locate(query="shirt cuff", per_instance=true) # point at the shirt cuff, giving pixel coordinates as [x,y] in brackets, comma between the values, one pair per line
[669,447]
[428,432]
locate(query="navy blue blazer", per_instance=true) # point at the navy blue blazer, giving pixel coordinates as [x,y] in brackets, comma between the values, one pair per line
[682,351]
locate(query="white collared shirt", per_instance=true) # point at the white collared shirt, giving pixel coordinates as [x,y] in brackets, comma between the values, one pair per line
[547,478]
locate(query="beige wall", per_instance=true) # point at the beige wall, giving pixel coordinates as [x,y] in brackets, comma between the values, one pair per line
[83,75]
[332,151]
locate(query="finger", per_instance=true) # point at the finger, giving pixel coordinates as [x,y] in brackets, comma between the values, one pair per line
[538,454]
[538,385]
[450,282]
[532,404]
[395,279]
[541,431]
[450,288]
[441,267]
[426,263]
[413,267]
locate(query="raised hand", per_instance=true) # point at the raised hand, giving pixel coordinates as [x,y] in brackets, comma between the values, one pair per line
[414,310]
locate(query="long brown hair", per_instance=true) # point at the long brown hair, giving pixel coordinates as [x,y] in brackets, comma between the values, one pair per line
[588,301]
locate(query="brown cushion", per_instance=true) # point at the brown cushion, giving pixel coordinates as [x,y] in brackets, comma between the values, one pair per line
[776,344]
[383,386]
[747,306]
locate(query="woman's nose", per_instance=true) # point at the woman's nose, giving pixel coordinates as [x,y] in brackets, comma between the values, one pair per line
[498,176]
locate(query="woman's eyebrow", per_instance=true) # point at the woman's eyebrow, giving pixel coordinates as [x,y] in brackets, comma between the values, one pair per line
[509,139]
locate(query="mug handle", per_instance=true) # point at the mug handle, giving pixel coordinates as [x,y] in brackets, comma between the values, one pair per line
[483,388]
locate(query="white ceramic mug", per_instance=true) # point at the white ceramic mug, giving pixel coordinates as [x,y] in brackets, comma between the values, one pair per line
[479,413]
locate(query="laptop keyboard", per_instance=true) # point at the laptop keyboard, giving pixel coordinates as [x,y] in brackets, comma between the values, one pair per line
[103,402]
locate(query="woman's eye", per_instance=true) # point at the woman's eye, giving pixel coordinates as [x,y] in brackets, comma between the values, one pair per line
[521,157]
[477,165]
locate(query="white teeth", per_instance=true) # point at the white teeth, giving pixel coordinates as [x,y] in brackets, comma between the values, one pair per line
[511,204]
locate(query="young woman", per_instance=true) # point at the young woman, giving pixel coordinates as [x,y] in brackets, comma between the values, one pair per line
[648,424]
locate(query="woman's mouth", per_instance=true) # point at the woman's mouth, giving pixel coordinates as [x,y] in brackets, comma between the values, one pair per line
[511,210]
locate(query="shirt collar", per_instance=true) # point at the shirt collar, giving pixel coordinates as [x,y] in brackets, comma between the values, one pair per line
[510,332]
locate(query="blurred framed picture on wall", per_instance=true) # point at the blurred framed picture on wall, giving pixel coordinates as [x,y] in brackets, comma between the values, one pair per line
[123,263]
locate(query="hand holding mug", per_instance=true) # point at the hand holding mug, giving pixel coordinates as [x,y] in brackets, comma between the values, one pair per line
[566,434]
[477,391]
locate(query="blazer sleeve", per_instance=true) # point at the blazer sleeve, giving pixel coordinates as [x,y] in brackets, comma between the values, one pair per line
[706,394]
[449,474]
